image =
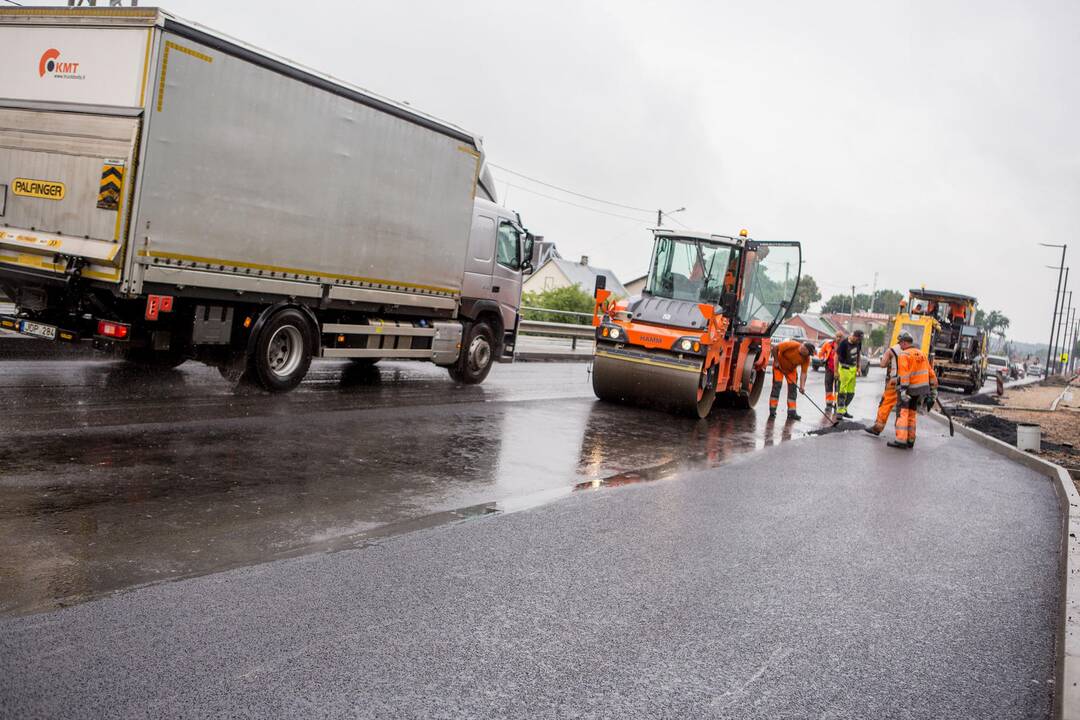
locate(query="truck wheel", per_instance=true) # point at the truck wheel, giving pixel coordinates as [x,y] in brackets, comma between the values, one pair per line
[477,355]
[282,352]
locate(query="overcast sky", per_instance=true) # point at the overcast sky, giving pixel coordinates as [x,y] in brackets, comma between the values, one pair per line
[933,143]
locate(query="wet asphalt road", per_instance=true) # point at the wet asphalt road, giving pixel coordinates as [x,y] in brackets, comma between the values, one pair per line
[114,477]
[912,585]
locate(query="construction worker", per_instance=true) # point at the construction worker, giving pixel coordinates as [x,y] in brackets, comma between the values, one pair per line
[827,353]
[916,384]
[848,357]
[788,357]
[889,397]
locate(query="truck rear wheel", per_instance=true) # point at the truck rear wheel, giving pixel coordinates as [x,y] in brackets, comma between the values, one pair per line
[282,353]
[477,355]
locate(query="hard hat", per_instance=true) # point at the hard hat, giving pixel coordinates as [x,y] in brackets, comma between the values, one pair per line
[905,336]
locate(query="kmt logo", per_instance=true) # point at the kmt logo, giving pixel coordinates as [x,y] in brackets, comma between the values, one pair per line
[50,63]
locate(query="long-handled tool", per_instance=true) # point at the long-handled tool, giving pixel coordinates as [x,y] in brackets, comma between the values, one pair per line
[946,414]
[824,414]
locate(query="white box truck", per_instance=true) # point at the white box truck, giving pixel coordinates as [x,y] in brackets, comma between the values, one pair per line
[167,192]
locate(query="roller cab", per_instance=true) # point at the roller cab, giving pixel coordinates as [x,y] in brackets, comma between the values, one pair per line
[699,334]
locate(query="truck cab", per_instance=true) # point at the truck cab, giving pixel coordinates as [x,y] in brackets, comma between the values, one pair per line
[499,256]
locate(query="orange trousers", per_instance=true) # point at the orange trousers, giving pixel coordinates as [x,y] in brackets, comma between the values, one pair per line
[905,422]
[778,378]
[885,407]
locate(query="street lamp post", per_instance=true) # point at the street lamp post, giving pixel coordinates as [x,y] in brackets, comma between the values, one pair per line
[1067,342]
[661,213]
[1063,324]
[1053,319]
[1073,361]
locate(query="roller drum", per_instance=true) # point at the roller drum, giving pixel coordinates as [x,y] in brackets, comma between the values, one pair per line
[653,379]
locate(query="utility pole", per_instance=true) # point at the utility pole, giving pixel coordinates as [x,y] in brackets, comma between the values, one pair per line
[661,213]
[873,294]
[851,317]
[1063,323]
[1053,319]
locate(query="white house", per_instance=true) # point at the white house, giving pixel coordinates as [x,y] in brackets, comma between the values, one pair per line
[557,273]
[635,286]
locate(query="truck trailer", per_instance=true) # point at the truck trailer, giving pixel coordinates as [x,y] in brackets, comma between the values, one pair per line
[170,193]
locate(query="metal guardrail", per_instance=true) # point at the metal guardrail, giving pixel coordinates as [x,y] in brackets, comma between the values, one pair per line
[557,312]
[558,330]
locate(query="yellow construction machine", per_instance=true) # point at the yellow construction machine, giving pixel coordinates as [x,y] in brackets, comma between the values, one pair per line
[942,325]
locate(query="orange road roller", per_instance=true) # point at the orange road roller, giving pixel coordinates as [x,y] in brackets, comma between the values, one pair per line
[699,334]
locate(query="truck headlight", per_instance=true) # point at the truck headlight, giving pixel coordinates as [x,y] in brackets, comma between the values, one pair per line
[686,344]
[615,333]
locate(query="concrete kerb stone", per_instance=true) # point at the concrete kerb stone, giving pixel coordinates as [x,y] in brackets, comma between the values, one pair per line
[1067,697]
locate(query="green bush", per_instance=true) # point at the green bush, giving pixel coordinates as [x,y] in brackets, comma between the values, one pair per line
[570,299]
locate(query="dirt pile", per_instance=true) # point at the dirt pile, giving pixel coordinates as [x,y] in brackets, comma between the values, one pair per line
[1004,430]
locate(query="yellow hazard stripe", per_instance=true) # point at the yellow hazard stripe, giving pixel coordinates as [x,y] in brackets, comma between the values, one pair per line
[643,361]
[146,66]
[290,271]
[42,263]
[476,172]
[83,12]
[169,45]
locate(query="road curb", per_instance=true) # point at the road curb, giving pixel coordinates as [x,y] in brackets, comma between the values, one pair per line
[1067,680]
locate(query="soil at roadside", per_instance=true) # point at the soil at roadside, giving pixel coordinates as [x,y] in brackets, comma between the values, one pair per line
[1031,404]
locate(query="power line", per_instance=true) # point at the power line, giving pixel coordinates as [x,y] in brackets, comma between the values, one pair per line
[583,207]
[13,3]
[570,192]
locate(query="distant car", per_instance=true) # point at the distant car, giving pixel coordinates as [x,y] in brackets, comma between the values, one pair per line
[817,363]
[998,364]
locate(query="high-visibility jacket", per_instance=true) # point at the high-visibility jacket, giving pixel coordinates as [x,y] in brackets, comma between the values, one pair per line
[914,373]
[788,357]
[891,369]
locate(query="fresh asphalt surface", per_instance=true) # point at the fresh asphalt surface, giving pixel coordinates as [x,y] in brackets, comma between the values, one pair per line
[827,576]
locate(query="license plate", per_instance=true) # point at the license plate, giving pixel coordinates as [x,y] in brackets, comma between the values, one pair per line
[38,330]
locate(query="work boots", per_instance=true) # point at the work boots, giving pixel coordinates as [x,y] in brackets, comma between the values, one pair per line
[902,446]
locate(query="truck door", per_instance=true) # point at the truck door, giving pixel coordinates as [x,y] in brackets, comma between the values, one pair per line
[481,256]
[767,286]
[64,187]
[506,277]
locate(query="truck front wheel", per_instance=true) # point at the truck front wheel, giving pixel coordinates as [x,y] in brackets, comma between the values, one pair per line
[282,353]
[477,355]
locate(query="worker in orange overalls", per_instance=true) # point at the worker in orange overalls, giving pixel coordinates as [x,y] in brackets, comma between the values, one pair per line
[916,384]
[827,353]
[889,397]
[788,357]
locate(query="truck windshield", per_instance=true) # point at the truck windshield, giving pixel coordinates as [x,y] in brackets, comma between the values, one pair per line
[692,270]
